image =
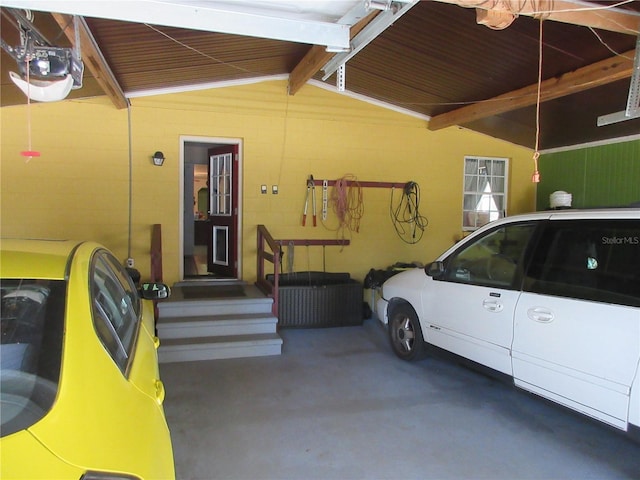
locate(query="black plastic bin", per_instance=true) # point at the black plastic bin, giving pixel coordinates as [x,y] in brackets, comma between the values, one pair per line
[318,299]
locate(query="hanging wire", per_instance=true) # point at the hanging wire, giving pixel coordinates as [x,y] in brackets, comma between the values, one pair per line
[195,50]
[406,217]
[606,45]
[324,258]
[308,258]
[130,152]
[290,257]
[283,147]
[535,178]
[30,153]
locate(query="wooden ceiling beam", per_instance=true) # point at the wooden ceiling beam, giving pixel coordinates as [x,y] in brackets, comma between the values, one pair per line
[313,61]
[594,75]
[567,11]
[317,57]
[92,58]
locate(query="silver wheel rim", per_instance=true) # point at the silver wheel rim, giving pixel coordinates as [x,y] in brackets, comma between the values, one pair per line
[404,334]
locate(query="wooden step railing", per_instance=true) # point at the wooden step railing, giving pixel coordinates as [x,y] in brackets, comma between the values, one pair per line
[156,253]
[270,250]
[274,256]
[156,260]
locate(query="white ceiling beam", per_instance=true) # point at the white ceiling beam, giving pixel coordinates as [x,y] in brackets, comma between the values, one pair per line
[378,25]
[205,17]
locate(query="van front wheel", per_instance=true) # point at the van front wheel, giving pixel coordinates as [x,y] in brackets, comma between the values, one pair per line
[405,333]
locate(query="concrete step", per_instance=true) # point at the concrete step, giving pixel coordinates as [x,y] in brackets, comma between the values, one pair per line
[193,308]
[214,321]
[216,325]
[219,347]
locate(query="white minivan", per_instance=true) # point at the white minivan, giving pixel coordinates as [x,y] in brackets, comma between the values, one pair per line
[550,299]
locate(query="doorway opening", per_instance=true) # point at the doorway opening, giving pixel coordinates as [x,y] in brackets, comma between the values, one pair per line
[211,210]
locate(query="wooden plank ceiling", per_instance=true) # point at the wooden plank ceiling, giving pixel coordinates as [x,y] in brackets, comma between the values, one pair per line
[436,61]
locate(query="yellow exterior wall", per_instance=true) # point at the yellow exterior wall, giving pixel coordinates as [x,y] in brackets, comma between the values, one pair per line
[79,186]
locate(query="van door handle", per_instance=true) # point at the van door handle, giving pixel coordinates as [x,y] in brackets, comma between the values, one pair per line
[492,305]
[540,314]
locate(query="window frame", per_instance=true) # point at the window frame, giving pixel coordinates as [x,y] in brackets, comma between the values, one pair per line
[474,218]
[118,299]
[576,288]
[520,264]
[221,185]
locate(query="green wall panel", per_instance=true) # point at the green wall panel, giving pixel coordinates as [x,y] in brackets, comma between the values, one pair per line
[603,176]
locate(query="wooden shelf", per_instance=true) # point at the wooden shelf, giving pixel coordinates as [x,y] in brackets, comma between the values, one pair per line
[313,242]
[332,183]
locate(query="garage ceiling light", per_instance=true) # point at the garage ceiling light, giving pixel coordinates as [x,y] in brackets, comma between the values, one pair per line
[43,90]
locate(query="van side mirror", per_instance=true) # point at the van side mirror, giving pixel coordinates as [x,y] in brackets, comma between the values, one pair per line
[435,270]
[155,291]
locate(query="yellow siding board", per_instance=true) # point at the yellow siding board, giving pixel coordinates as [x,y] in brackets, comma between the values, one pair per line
[79,186]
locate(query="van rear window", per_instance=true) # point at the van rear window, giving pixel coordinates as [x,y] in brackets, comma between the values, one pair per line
[596,260]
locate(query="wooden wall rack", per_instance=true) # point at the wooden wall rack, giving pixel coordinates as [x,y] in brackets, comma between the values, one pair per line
[332,183]
[314,242]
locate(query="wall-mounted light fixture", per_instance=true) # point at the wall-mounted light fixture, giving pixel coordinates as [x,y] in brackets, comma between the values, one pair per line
[158,159]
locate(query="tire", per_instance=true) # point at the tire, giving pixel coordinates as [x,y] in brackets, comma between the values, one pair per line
[405,333]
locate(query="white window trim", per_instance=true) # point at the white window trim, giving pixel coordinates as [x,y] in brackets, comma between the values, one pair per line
[493,214]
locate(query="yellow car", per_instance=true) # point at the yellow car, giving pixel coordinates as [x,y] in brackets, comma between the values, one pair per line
[81,396]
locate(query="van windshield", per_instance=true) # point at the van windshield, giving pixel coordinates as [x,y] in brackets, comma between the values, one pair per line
[31,330]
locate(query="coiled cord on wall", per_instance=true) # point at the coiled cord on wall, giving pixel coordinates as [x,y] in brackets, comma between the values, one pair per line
[406,217]
[347,201]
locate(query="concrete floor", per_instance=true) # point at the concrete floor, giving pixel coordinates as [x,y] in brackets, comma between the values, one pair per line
[339,405]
